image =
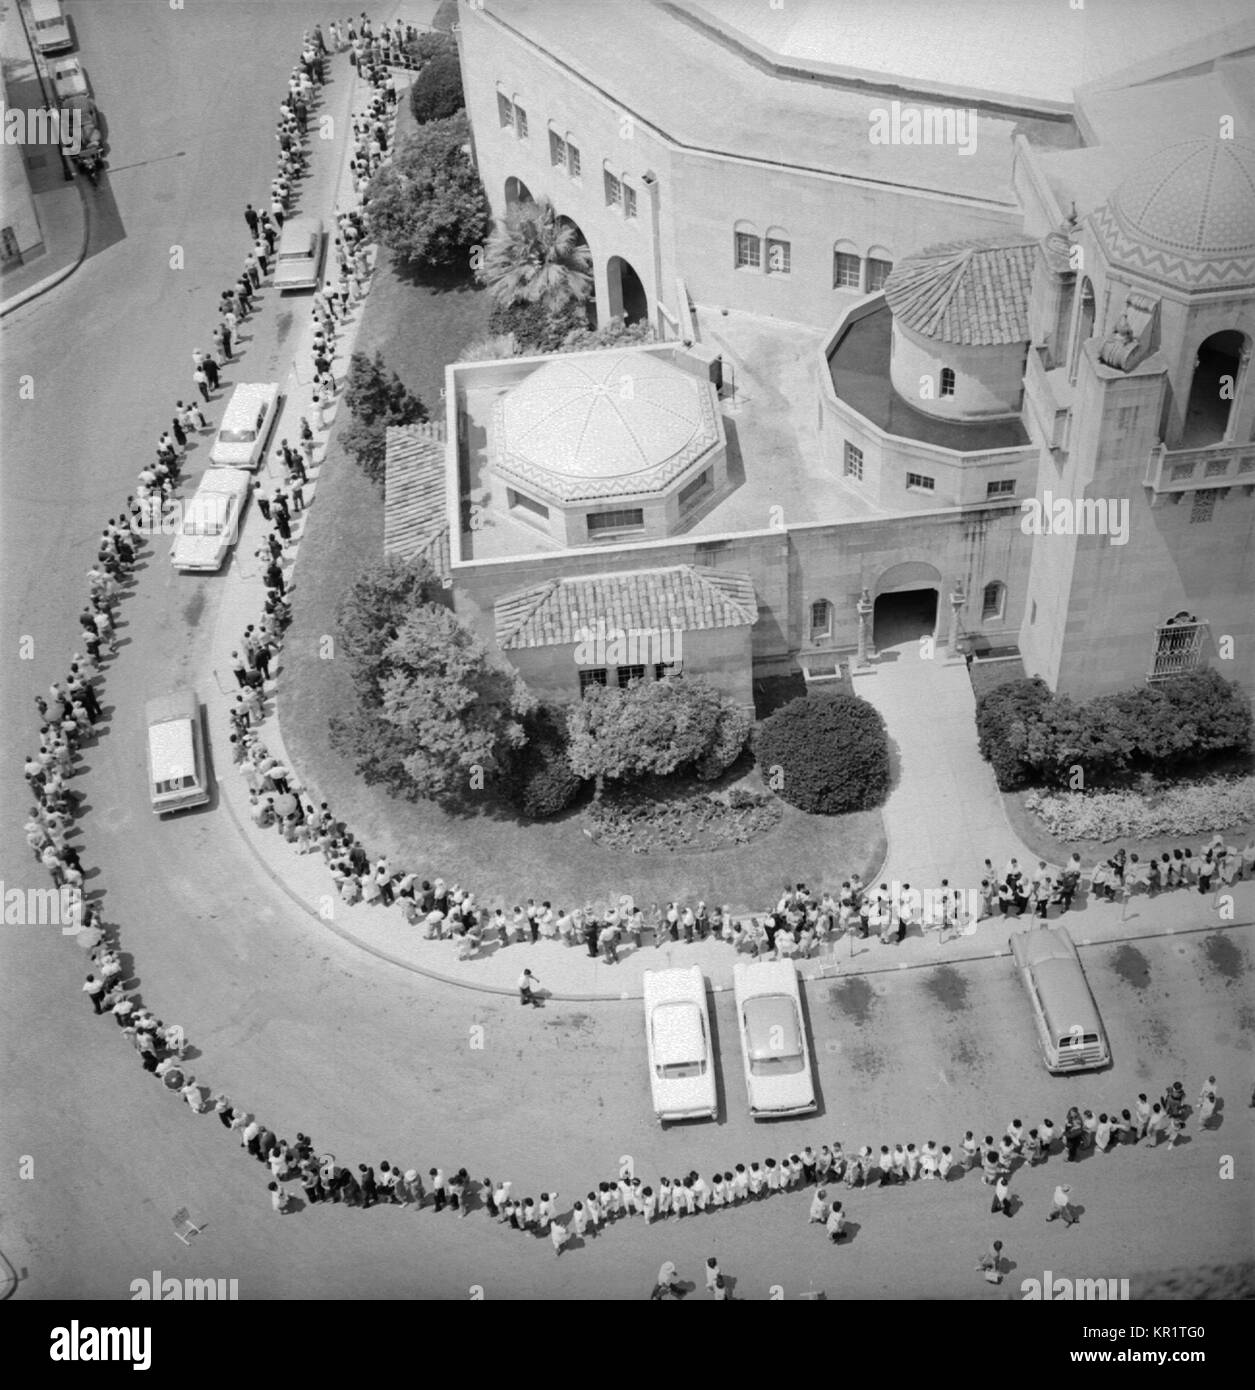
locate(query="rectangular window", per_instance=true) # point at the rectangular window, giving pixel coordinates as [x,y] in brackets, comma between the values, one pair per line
[614,190]
[588,679]
[627,674]
[572,160]
[623,519]
[1125,417]
[1000,487]
[520,501]
[748,251]
[505,111]
[520,122]
[1204,505]
[557,150]
[663,669]
[629,200]
[853,461]
[779,257]
[700,485]
[877,273]
[845,271]
[920,481]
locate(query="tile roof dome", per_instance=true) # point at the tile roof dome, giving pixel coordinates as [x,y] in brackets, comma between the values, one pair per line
[974,292]
[597,425]
[1186,216]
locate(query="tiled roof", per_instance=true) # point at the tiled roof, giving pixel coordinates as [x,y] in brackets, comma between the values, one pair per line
[683,598]
[415,521]
[973,292]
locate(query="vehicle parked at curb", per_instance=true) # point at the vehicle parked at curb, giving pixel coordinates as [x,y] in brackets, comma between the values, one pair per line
[301,252]
[774,1045]
[1069,1029]
[677,1034]
[51,32]
[211,520]
[178,776]
[68,78]
[246,426]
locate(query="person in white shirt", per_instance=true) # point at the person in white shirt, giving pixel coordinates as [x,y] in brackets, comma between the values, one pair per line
[1102,1134]
[836,1223]
[579,1220]
[819,1207]
[649,1204]
[664,1196]
[945,1162]
[740,1183]
[712,1273]
[971,1149]
[559,1236]
[547,1211]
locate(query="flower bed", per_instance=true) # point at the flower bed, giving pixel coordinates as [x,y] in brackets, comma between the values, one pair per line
[646,818]
[1167,809]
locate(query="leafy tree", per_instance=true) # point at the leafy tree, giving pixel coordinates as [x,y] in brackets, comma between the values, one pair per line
[1003,716]
[532,258]
[436,93]
[832,753]
[372,611]
[617,333]
[653,727]
[1217,710]
[436,713]
[536,325]
[376,398]
[427,205]
[539,778]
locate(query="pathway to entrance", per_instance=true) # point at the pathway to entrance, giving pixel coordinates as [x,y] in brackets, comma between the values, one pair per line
[944,815]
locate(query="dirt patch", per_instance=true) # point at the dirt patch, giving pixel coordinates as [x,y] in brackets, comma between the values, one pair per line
[1228,1282]
[1131,966]
[966,1057]
[948,987]
[283,326]
[853,999]
[867,1061]
[1225,956]
[194,608]
[1158,1036]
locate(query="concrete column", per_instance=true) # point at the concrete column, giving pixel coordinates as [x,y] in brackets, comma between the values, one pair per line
[865,610]
[957,599]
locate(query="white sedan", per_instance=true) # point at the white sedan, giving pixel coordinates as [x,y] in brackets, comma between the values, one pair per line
[677,1033]
[246,425]
[211,520]
[773,1039]
[68,78]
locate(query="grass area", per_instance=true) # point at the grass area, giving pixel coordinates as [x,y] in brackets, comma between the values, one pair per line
[987,676]
[418,325]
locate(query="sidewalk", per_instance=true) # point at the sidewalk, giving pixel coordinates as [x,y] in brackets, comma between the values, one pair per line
[63,218]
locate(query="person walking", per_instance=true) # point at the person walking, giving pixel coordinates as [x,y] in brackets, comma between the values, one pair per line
[1061,1206]
[990,1263]
[95,991]
[250,216]
[1207,1103]
[527,987]
[835,1224]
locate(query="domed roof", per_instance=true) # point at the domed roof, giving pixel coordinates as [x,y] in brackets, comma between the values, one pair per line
[598,425]
[1186,216]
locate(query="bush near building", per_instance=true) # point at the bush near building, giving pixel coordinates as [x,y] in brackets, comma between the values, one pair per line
[1151,808]
[825,754]
[539,778]
[436,93]
[655,727]
[376,398]
[1033,738]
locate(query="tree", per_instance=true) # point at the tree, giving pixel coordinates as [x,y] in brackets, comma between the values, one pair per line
[1003,716]
[436,716]
[427,205]
[658,727]
[539,778]
[828,754]
[436,93]
[617,333]
[376,398]
[371,614]
[536,325]
[534,258]
[1217,710]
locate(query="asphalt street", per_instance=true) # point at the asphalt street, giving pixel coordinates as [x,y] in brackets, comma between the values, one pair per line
[376,1063]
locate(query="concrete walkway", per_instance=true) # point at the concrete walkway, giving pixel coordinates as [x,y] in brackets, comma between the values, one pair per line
[63,218]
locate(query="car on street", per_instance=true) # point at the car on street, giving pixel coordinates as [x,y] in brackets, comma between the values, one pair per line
[211,520]
[1069,1030]
[677,1035]
[52,29]
[773,1039]
[302,249]
[246,426]
[68,78]
[178,776]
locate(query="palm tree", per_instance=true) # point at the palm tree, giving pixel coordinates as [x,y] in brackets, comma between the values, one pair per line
[535,258]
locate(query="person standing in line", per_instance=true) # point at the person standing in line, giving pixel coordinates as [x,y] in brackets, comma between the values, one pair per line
[210,367]
[1002,1196]
[1143,1116]
[439,1188]
[1158,1126]
[819,1208]
[712,1273]
[1207,1103]
[559,1236]
[1061,1206]
[250,216]
[95,991]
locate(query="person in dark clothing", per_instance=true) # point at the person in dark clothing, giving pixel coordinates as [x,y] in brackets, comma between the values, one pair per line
[250,216]
[591,932]
[370,1193]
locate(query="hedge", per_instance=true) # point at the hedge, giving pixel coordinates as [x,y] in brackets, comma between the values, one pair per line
[825,754]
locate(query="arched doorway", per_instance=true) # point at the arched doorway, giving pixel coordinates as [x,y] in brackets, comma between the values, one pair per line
[516,191]
[1207,414]
[906,601]
[627,293]
[590,304]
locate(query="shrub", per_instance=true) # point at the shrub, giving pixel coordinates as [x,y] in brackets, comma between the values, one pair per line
[535,325]
[1003,717]
[1216,711]
[437,90]
[1161,808]
[540,780]
[831,753]
[732,728]
[376,398]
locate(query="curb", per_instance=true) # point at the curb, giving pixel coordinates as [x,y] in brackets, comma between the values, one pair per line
[52,281]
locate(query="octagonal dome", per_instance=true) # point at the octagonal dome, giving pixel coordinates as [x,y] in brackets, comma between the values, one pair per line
[601,425]
[1186,216]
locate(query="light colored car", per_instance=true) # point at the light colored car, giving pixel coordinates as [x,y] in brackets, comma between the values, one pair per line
[302,249]
[68,78]
[52,29]
[246,425]
[211,520]
[677,1033]
[773,1039]
[178,776]
[1069,1029]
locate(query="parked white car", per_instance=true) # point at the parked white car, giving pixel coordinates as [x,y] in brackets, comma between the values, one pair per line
[211,520]
[302,250]
[68,78]
[773,1039]
[677,1033]
[52,29]
[246,425]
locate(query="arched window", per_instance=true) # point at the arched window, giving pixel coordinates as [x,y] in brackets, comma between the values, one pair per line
[821,620]
[947,381]
[747,247]
[779,258]
[879,266]
[993,601]
[572,156]
[847,266]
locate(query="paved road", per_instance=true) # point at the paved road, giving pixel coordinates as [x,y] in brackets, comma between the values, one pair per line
[315,1036]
